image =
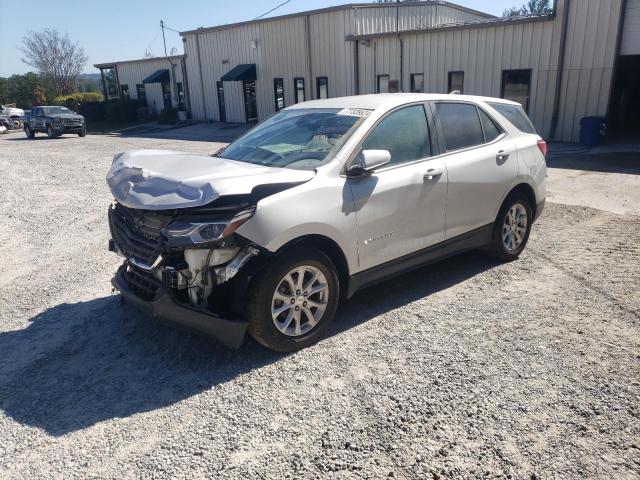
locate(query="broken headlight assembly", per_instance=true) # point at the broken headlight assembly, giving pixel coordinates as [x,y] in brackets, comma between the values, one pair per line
[185,234]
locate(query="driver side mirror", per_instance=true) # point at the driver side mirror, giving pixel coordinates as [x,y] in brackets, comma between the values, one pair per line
[368,161]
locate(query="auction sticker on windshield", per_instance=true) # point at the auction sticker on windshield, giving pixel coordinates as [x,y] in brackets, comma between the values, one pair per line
[355,112]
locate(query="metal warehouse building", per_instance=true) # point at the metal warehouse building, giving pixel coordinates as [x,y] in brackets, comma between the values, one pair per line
[583,59]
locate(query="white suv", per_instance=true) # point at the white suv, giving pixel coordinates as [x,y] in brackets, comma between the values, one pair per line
[320,200]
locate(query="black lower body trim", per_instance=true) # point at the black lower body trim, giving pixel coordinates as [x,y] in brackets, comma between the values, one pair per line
[164,309]
[477,238]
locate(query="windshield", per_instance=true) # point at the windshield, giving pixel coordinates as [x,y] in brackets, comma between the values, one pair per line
[55,110]
[302,139]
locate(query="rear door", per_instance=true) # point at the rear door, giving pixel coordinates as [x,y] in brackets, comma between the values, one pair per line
[481,163]
[400,208]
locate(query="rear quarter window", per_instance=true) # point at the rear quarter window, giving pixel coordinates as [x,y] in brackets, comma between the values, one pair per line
[516,115]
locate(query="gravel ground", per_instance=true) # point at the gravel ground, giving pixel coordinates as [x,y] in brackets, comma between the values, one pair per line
[466,369]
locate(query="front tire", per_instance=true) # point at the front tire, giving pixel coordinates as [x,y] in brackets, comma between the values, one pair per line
[511,229]
[82,133]
[292,302]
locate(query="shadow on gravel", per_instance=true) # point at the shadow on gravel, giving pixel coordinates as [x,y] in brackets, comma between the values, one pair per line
[20,139]
[606,162]
[83,363]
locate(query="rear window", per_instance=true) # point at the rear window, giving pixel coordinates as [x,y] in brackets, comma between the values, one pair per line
[460,125]
[515,114]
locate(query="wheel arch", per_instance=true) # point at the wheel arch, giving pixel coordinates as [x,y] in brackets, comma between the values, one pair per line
[330,248]
[523,189]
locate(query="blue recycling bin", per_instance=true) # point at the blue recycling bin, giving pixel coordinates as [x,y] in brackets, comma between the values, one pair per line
[592,131]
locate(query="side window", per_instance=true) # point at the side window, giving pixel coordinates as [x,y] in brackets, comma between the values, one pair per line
[404,133]
[278,93]
[491,130]
[460,125]
[298,85]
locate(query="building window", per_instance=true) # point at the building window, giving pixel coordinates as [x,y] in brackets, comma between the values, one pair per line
[124,91]
[417,82]
[278,93]
[180,95]
[142,93]
[382,84]
[456,82]
[322,87]
[516,86]
[298,86]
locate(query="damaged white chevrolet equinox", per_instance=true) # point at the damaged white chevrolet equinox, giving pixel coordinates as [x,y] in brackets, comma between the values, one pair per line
[320,200]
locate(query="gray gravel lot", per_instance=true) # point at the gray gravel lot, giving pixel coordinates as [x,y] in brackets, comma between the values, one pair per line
[466,369]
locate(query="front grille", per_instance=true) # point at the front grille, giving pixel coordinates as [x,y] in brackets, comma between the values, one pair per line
[137,232]
[142,283]
[71,122]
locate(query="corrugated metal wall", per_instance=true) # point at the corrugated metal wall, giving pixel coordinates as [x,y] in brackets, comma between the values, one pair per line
[631,30]
[283,51]
[588,71]
[132,73]
[483,53]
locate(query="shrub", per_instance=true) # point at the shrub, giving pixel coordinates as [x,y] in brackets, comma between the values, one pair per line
[93,111]
[121,111]
[73,99]
[168,116]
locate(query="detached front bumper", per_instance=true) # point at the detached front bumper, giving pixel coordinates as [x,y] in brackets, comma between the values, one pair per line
[164,309]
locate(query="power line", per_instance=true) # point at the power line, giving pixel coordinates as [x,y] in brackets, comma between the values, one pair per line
[272,10]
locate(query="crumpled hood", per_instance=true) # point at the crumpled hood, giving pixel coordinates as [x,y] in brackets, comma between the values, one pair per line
[164,179]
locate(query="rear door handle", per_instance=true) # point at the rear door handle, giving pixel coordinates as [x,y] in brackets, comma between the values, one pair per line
[432,173]
[502,156]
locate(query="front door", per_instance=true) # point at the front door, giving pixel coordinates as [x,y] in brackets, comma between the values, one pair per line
[400,208]
[481,162]
[166,95]
[250,109]
[221,109]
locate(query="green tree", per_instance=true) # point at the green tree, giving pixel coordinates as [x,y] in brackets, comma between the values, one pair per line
[532,7]
[24,90]
[55,57]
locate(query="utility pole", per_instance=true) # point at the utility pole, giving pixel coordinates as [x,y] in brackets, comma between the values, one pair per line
[173,67]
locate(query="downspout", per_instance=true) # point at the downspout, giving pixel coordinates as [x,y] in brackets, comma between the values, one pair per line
[307,25]
[616,59]
[563,44]
[356,73]
[185,82]
[401,46]
[204,103]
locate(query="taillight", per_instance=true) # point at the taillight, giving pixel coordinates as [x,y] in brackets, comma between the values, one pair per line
[542,145]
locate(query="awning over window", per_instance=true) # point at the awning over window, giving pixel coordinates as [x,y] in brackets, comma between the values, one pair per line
[245,71]
[160,76]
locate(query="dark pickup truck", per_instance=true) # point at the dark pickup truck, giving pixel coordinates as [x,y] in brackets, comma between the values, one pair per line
[54,121]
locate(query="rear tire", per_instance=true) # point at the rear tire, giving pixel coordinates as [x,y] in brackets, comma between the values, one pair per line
[28,132]
[288,310]
[511,228]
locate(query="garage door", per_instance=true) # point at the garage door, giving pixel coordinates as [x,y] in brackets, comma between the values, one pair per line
[631,29]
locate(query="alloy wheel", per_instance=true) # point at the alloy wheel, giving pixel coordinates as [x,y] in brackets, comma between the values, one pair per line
[514,227]
[299,301]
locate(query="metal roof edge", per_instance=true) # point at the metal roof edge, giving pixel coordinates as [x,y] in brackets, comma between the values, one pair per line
[140,60]
[497,21]
[336,8]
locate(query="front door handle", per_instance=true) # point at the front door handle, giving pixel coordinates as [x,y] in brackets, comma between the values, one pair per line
[502,156]
[431,174]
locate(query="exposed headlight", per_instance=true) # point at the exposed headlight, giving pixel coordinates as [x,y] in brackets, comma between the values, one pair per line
[196,233]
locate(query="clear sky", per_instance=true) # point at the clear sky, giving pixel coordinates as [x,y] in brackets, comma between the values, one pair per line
[123,29]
